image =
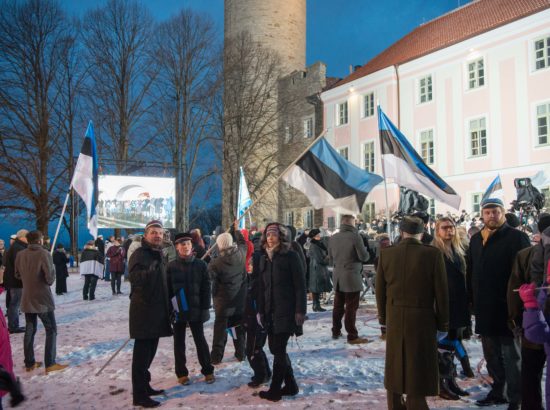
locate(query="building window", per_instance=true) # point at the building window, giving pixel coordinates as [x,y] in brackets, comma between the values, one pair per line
[342,113]
[287,134]
[368,105]
[427,146]
[476,200]
[369,211]
[344,152]
[308,218]
[476,74]
[308,127]
[289,218]
[368,156]
[546,193]
[431,208]
[542,53]
[478,137]
[331,222]
[543,121]
[425,89]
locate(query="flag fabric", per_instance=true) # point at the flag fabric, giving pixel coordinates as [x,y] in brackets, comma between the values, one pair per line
[85,178]
[232,331]
[494,190]
[402,163]
[244,201]
[330,181]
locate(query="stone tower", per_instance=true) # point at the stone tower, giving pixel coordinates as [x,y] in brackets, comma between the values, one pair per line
[279,26]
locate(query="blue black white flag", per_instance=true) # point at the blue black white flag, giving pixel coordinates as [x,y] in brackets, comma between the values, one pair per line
[244,201]
[494,190]
[330,181]
[402,163]
[85,178]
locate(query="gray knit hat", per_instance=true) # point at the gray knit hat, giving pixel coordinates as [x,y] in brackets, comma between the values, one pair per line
[224,240]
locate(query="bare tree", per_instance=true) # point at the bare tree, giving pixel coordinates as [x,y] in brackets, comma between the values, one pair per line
[188,62]
[34,38]
[117,38]
[250,114]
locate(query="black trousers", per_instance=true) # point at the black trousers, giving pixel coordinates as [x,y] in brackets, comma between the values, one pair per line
[532,365]
[144,353]
[282,367]
[60,283]
[116,277]
[256,337]
[203,353]
[219,340]
[90,282]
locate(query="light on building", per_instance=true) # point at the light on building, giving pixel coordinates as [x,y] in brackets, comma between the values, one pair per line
[351,89]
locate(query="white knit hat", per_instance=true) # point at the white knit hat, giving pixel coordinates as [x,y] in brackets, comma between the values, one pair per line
[224,240]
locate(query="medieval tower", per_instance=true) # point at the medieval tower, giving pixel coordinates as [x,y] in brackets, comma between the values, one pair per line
[278,26]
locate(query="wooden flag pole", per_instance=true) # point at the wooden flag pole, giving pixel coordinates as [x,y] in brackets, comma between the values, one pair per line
[60,220]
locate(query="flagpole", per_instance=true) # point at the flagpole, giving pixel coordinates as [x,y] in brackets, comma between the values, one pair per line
[388,224]
[60,219]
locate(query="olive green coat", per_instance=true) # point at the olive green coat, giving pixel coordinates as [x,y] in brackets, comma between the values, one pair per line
[413,303]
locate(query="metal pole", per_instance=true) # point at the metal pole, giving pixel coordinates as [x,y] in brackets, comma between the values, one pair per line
[60,220]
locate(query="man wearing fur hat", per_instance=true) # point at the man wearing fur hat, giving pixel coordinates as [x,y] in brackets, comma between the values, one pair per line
[149,310]
[490,258]
[413,303]
[228,272]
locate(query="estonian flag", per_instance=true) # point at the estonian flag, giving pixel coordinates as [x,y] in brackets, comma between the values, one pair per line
[494,190]
[244,200]
[328,180]
[402,163]
[85,178]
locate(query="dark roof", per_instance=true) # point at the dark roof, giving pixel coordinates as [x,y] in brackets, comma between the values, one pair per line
[458,25]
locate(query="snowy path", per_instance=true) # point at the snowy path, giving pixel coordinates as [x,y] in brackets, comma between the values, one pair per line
[331,373]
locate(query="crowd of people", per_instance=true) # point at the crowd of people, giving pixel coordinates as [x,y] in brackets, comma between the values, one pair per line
[431,277]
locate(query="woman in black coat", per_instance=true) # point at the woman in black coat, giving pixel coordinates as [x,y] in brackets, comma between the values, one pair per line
[319,276]
[60,261]
[281,305]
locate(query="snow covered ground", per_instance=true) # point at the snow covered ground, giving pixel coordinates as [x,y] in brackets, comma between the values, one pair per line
[331,373]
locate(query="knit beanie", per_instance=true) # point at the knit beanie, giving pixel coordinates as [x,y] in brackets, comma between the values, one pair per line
[273,230]
[224,240]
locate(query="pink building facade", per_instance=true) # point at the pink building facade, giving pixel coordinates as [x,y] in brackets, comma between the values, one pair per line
[473,110]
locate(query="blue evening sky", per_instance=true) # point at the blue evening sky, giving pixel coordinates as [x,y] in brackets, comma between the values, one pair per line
[339,32]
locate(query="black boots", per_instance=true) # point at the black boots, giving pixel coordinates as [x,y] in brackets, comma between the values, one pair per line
[466,368]
[317,303]
[445,391]
[448,389]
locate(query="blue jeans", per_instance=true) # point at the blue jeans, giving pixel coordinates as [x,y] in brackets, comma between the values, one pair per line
[13,308]
[48,320]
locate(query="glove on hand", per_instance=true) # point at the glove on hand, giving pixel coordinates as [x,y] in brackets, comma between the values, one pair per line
[527,295]
[299,318]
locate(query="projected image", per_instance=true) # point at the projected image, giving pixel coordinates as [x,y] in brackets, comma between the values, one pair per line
[131,202]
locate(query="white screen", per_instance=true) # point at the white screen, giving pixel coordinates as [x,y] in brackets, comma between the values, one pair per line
[131,202]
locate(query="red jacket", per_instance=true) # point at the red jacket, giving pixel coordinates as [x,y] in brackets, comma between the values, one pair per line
[5,347]
[116,258]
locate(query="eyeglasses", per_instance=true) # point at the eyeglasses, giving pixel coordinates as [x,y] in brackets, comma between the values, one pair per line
[447,227]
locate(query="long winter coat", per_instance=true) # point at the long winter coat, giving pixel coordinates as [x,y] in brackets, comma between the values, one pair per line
[413,302]
[347,254]
[60,261]
[191,276]
[228,272]
[149,305]
[489,267]
[34,266]
[459,313]
[319,276]
[282,290]
[6,360]
[116,255]
[10,280]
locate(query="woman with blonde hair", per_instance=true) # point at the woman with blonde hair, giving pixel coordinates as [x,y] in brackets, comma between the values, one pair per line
[448,241]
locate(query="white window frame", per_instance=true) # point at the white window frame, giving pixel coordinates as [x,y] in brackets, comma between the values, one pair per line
[289,218]
[305,218]
[369,216]
[545,104]
[342,114]
[476,77]
[431,207]
[368,108]
[546,191]
[425,90]
[372,166]
[421,147]
[545,58]
[308,126]
[287,133]
[473,203]
[469,139]
[346,147]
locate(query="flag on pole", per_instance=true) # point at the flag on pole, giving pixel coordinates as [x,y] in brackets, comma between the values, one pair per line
[244,201]
[330,181]
[85,178]
[402,163]
[494,190]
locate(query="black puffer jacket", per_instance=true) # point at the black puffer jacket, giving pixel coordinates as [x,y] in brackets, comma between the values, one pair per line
[227,272]
[149,308]
[191,276]
[282,289]
[10,281]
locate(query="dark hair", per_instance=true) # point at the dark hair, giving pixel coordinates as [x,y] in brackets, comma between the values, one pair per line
[59,246]
[34,237]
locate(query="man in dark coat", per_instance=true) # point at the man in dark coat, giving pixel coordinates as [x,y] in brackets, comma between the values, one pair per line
[413,303]
[347,254]
[14,285]
[490,258]
[60,261]
[149,310]
[189,284]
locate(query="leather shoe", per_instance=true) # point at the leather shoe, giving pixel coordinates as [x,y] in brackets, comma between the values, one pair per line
[491,401]
[358,340]
[271,395]
[17,330]
[290,390]
[257,383]
[336,335]
[154,392]
[146,402]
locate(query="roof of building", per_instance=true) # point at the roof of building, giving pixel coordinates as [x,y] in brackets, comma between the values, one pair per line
[458,25]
